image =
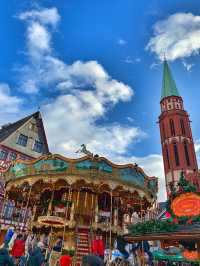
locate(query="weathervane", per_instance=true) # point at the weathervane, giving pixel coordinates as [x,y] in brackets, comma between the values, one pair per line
[84,150]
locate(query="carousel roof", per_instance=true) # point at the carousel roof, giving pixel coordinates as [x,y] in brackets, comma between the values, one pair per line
[94,168]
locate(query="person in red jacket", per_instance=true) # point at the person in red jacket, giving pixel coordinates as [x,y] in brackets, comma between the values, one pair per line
[95,246]
[18,249]
[100,247]
[65,260]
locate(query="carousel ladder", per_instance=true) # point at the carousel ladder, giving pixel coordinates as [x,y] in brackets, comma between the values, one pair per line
[82,244]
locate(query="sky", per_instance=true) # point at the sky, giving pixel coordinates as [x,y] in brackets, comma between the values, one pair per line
[94,70]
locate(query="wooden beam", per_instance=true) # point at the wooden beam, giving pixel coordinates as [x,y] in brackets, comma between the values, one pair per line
[186,235]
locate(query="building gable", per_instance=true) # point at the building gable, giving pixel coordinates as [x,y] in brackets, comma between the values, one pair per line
[26,136]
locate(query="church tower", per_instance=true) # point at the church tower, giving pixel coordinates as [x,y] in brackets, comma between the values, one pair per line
[176,134]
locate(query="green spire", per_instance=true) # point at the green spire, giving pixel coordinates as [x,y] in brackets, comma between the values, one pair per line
[168,85]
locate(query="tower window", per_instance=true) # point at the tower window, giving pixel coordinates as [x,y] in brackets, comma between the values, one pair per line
[182,126]
[176,155]
[22,140]
[167,156]
[187,158]
[172,128]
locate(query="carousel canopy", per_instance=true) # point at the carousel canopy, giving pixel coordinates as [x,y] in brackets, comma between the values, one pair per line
[92,168]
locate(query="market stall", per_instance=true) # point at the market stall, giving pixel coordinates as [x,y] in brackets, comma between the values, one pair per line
[182,226]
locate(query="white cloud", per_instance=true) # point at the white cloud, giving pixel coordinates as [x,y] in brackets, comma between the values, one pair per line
[121,42]
[38,39]
[46,16]
[75,116]
[187,66]
[8,103]
[87,93]
[178,36]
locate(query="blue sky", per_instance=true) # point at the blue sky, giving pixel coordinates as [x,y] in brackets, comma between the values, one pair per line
[95,70]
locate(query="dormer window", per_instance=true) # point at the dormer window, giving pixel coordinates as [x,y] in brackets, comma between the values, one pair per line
[38,146]
[22,140]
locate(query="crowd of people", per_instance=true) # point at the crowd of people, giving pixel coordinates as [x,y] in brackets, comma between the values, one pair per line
[30,248]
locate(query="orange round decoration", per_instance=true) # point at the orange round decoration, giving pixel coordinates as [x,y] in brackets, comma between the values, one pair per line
[190,255]
[187,204]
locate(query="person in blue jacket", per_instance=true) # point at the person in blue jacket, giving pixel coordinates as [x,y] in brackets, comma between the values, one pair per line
[5,259]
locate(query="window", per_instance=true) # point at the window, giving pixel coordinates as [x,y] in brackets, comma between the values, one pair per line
[172,128]
[38,146]
[167,156]
[176,155]
[22,140]
[187,158]
[3,155]
[12,156]
[182,126]
[169,106]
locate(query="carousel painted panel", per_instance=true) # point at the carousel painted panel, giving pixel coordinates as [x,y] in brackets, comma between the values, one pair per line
[132,176]
[57,165]
[105,167]
[153,185]
[84,165]
[94,164]
[42,166]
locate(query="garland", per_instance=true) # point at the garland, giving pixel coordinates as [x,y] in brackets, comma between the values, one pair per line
[152,226]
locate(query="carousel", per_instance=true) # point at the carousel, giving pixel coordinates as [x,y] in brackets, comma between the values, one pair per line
[77,199]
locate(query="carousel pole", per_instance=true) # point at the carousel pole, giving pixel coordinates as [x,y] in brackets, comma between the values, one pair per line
[110,240]
[49,213]
[29,195]
[142,253]
[65,218]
